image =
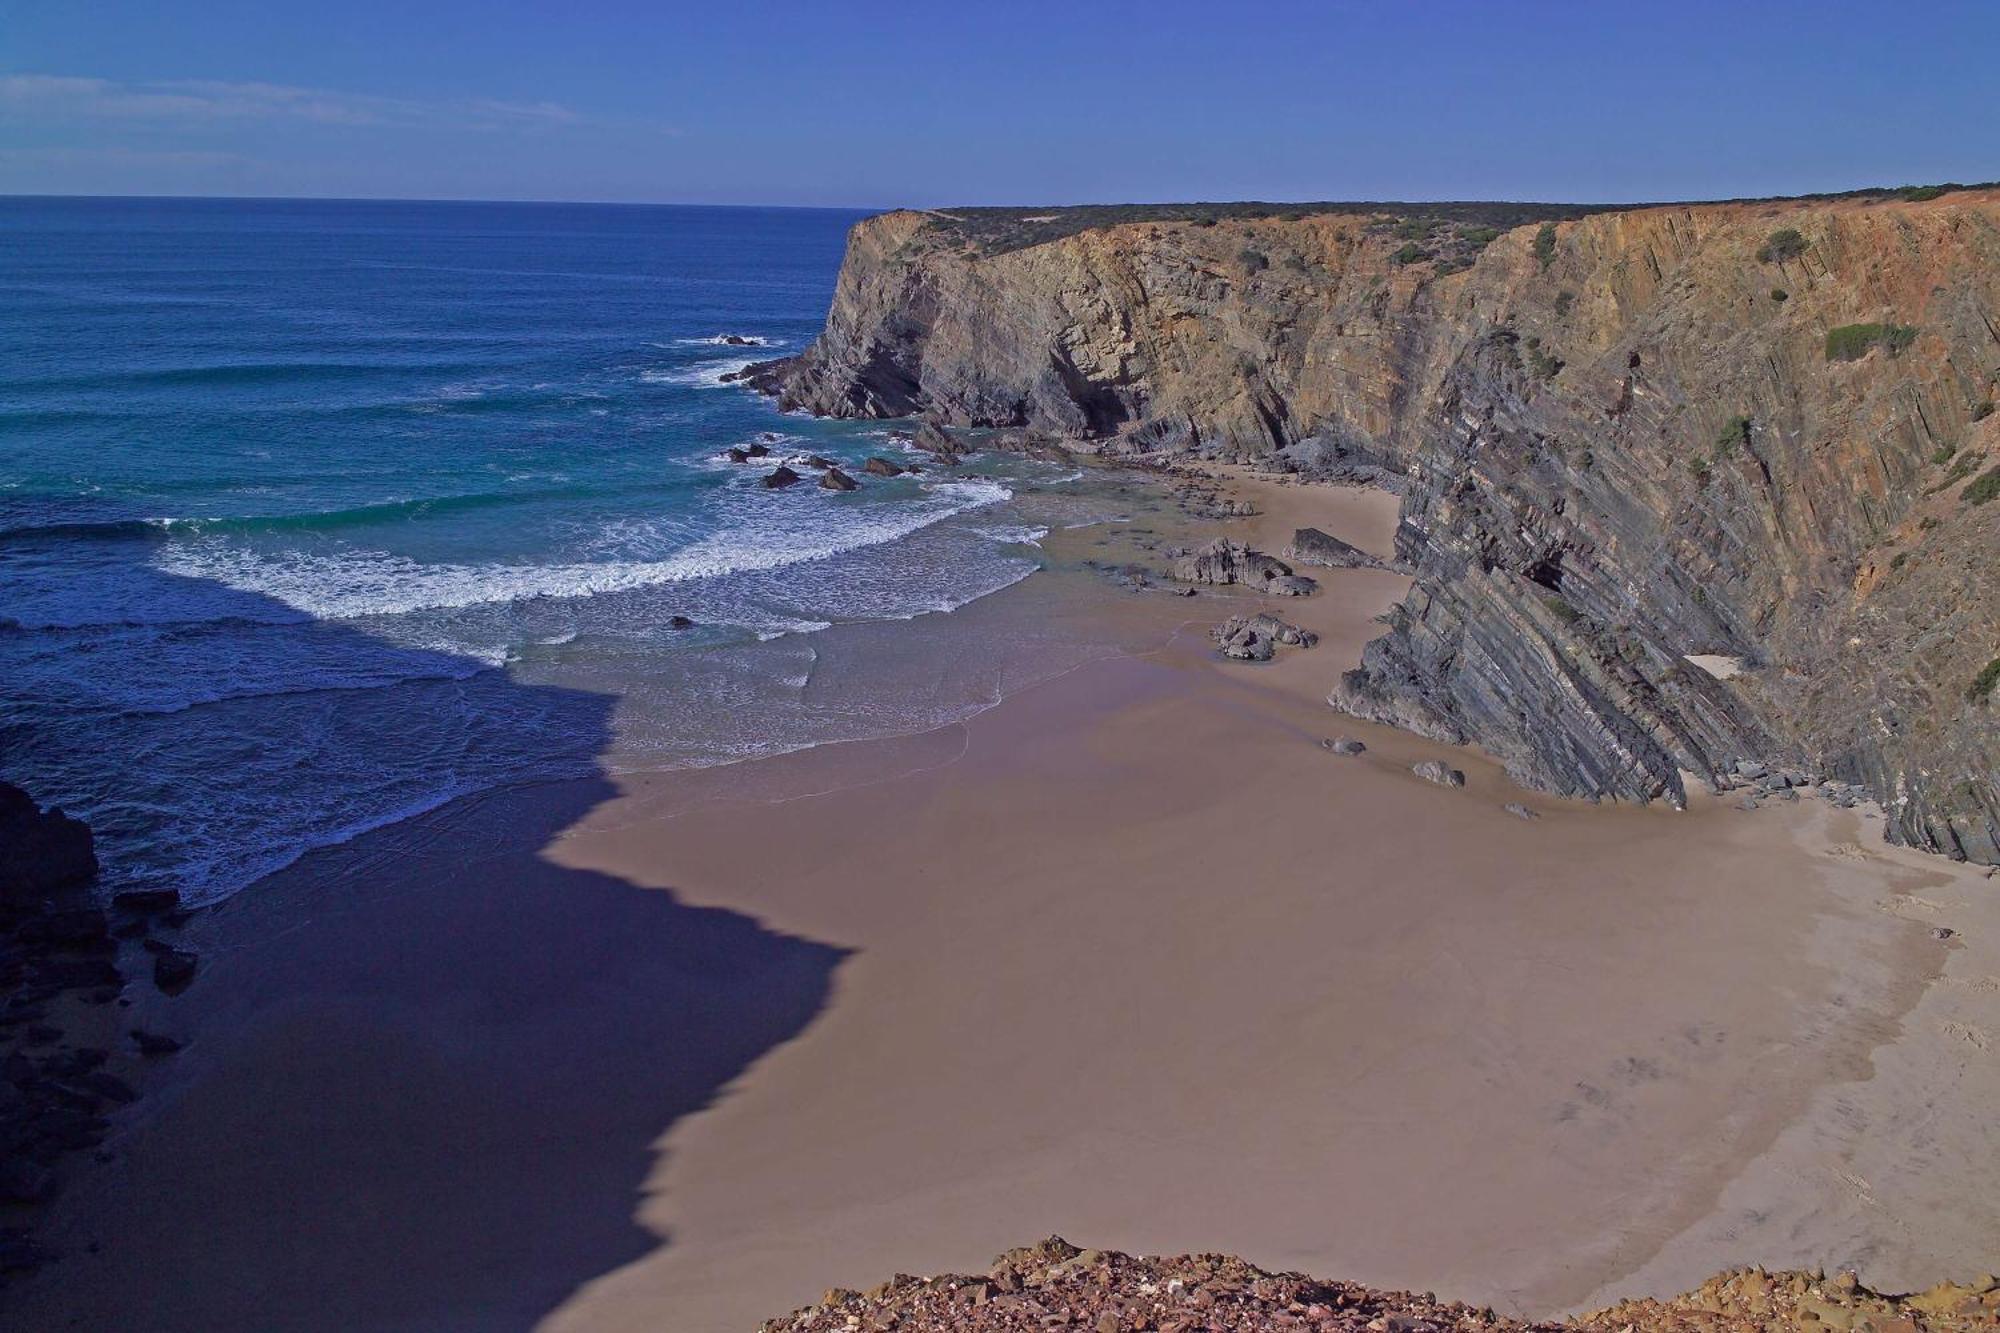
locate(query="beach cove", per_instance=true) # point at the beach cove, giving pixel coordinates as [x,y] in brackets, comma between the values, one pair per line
[1129,955]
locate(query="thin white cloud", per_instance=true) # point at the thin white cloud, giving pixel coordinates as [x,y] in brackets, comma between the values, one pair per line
[184,101]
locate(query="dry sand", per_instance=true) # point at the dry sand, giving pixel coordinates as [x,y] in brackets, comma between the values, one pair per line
[1129,957]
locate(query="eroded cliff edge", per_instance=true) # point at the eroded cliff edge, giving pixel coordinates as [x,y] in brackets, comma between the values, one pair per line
[1762,431]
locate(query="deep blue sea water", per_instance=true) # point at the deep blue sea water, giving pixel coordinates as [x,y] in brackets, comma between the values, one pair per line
[293,495]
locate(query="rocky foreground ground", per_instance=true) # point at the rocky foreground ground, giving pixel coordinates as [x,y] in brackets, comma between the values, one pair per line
[1054,1285]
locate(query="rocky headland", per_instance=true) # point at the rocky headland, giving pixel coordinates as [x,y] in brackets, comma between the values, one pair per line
[1685,488]
[1054,1285]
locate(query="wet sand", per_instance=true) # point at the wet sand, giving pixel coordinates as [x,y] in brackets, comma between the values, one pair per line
[1129,957]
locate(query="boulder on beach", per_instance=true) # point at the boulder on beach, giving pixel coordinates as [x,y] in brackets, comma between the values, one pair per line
[1226,562]
[1256,638]
[1436,770]
[1310,546]
[1343,745]
[783,477]
[836,480]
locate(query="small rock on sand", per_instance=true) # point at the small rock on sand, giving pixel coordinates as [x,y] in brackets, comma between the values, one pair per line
[1436,770]
[1343,745]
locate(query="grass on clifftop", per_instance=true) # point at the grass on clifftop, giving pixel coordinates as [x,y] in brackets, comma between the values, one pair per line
[996,230]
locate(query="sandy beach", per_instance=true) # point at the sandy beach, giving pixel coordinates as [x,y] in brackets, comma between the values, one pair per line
[1129,956]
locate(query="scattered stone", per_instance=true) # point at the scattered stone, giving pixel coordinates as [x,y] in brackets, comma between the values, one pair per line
[1436,770]
[174,969]
[1343,745]
[153,1043]
[1942,933]
[1750,768]
[147,902]
[783,477]
[836,480]
[1519,811]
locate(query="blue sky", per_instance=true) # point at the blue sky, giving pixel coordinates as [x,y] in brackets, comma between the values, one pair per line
[879,104]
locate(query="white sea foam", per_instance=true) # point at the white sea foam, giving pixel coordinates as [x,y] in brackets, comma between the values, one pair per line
[355,584]
[701,375]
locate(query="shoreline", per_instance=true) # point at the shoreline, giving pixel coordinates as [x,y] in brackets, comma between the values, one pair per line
[922,1041]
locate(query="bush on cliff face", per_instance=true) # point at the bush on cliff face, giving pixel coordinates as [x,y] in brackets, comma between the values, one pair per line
[1253,261]
[1785,243]
[1737,432]
[1545,244]
[1986,488]
[1411,253]
[1850,342]
[1985,683]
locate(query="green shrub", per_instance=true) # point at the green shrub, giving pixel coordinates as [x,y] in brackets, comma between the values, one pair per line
[1545,244]
[1986,487]
[1562,610]
[1780,294]
[1479,236]
[1917,194]
[1983,411]
[1415,229]
[1292,217]
[1942,454]
[1735,433]
[1411,253]
[1565,301]
[1204,222]
[1785,243]
[1545,365]
[1902,558]
[1851,342]
[1253,260]
[1927,522]
[1985,683]
[1701,470]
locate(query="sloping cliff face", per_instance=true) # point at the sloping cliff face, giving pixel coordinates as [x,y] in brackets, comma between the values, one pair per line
[1622,440]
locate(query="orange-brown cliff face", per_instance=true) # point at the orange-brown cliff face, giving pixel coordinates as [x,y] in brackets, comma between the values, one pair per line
[1623,439]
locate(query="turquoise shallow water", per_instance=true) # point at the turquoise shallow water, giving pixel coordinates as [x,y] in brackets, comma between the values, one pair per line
[293,495]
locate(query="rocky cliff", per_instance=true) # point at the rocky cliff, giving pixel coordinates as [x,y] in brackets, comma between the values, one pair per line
[1753,431]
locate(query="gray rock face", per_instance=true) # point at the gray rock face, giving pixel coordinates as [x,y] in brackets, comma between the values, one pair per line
[1612,455]
[836,480]
[1310,546]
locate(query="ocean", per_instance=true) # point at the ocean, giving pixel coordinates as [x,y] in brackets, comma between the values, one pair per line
[318,515]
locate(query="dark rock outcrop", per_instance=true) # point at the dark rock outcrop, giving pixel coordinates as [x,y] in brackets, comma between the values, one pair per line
[1616,449]
[41,851]
[836,480]
[882,467]
[780,479]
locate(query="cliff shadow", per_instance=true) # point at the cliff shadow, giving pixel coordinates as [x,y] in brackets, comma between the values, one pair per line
[426,1068]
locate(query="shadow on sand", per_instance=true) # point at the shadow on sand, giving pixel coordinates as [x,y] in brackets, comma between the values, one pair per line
[427,1069]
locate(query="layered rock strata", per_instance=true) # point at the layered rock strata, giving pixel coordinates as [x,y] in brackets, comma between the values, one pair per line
[1755,431]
